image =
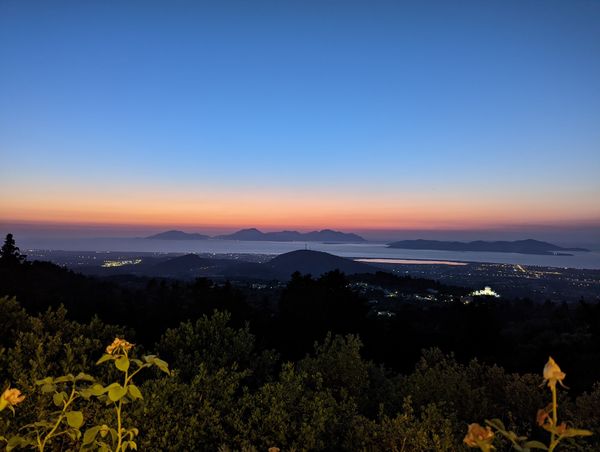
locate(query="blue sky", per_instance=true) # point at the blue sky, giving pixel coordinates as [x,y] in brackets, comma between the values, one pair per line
[493,104]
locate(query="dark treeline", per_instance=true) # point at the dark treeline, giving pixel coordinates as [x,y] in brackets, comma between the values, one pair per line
[248,372]
[517,334]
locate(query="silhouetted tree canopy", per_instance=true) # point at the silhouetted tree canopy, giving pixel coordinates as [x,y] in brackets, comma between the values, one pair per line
[10,253]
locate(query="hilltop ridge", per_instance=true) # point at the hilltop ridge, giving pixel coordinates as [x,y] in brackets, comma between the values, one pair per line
[324,235]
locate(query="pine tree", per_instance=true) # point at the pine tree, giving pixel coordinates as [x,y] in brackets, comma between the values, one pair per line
[9,253]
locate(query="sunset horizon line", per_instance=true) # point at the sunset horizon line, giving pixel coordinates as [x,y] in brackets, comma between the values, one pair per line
[301,227]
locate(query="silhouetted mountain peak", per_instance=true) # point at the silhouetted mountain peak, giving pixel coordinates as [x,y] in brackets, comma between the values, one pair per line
[325,235]
[315,263]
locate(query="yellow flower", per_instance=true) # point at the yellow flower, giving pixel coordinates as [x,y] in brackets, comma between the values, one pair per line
[478,436]
[118,345]
[11,397]
[552,374]
[274,449]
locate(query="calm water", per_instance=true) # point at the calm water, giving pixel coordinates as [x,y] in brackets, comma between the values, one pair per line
[379,260]
[589,260]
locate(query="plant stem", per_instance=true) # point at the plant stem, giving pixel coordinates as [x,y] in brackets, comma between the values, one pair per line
[119,421]
[553,441]
[554,410]
[42,445]
[120,439]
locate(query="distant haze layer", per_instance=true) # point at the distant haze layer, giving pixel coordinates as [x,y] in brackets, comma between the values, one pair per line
[583,236]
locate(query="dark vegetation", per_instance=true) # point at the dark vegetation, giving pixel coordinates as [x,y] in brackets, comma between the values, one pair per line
[308,366]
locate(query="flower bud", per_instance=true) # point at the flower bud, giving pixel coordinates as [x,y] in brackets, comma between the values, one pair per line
[119,345]
[552,373]
[11,397]
[478,436]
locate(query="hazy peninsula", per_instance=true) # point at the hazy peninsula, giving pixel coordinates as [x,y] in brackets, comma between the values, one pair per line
[177,235]
[528,246]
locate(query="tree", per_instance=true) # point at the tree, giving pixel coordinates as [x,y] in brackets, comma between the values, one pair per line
[9,253]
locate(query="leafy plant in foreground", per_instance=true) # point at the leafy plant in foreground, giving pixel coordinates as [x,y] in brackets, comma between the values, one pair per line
[547,418]
[66,422]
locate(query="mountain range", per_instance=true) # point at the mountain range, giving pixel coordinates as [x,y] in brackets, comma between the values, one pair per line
[253,234]
[325,235]
[528,246]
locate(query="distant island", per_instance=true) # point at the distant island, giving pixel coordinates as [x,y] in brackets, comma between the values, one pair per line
[325,235]
[177,235]
[253,234]
[528,246]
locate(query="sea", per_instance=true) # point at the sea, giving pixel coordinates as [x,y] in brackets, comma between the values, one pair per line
[371,250]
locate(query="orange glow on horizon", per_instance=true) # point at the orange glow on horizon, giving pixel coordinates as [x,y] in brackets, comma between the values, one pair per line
[293,211]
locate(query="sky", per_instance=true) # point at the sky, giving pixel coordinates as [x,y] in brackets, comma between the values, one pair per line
[372,115]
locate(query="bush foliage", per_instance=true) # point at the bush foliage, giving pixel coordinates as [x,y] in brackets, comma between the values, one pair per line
[225,393]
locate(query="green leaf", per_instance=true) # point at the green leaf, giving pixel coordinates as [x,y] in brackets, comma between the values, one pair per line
[74,434]
[74,418]
[45,381]
[84,377]
[65,379]
[571,432]
[48,387]
[104,358]
[58,398]
[43,424]
[97,390]
[162,365]
[90,434]
[134,392]
[18,442]
[535,445]
[497,423]
[122,363]
[116,393]
[85,393]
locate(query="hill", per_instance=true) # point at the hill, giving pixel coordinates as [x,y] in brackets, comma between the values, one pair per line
[177,235]
[325,235]
[183,264]
[315,263]
[528,246]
